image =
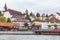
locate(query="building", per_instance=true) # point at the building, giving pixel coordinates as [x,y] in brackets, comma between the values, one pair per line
[53,19]
[16,16]
[4,26]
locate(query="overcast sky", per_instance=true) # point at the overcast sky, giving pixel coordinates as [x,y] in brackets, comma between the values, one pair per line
[41,6]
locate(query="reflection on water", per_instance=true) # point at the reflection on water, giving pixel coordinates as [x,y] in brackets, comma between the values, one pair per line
[29,37]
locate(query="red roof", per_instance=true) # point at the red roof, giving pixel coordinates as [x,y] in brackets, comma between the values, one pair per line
[58,13]
[9,24]
[53,19]
[13,12]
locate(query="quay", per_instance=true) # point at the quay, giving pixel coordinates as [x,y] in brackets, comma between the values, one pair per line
[47,32]
[37,32]
[16,33]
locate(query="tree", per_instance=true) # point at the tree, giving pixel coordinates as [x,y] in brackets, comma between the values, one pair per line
[2,19]
[28,17]
[31,14]
[49,25]
[43,16]
[38,15]
[47,17]
[8,20]
[1,13]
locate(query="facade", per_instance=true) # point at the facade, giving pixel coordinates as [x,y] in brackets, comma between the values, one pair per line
[19,17]
[53,19]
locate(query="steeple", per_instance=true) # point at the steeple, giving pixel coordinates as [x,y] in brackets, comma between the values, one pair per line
[5,7]
[26,11]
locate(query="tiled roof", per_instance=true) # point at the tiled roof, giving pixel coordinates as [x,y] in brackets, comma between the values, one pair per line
[21,20]
[58,13]
[53,19]
[13,12]
[51,15]
[18,15]
[9,24]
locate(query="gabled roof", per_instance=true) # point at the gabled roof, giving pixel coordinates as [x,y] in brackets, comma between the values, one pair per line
[13,12]
[51,15]
[58,13]
[53,19]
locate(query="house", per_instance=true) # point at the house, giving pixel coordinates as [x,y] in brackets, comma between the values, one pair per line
[53,19]
[12,24]
[4,26]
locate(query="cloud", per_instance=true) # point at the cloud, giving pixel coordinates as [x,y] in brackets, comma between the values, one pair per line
[46,6]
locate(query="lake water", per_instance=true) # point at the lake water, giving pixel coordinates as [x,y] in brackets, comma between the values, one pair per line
[29,37]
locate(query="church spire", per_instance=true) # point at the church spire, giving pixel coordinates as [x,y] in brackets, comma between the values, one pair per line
[5,7]
[26,11]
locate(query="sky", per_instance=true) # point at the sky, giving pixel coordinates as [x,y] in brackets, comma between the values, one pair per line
[41,6]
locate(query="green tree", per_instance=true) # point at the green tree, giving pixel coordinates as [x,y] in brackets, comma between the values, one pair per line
[2,19]
[47,17]
[49,25]
[8,20]
[1,13]
[31,14]
[38,15]
[27,16]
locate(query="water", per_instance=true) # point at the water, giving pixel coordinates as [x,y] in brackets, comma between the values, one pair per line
[29,37]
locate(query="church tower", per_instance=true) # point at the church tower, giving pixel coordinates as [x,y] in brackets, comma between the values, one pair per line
[5,8]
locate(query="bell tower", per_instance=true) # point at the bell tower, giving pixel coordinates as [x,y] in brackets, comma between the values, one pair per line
[5,8]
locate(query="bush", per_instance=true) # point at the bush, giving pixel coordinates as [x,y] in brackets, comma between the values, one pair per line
[37,19]
[25,26]
[49,25]
[1,13]
[55,25]
[33,24]
[8,20]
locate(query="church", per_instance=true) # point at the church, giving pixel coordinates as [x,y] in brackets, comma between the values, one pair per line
[15,16]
